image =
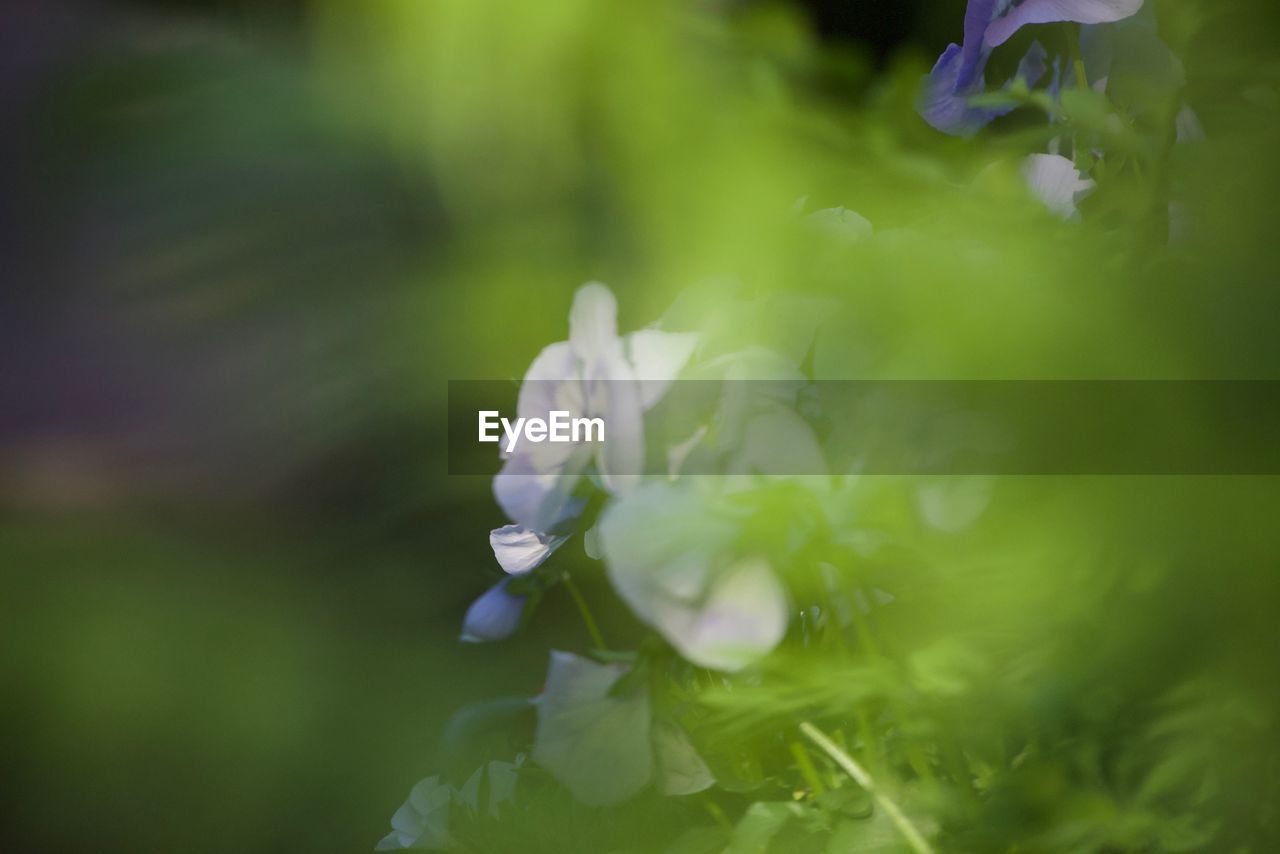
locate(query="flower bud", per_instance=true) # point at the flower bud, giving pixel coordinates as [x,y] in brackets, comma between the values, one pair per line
[494,616]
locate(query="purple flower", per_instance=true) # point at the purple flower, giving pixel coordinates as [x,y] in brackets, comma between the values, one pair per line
[958,74]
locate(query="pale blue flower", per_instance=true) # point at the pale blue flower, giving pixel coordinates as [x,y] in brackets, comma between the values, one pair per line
[596,373]
[674,563]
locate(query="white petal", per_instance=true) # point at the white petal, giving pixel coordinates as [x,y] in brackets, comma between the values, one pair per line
[658,358]
[660,544]
[658,541]
[536,497]
[1056,182]
[520,549]
[596,745]
[743,618]
[593,324]
[553,364]
[551,383]
[622,452]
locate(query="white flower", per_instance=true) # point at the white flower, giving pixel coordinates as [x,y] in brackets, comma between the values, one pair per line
[606,748]
[674,564]
[1056,182]
[595,373]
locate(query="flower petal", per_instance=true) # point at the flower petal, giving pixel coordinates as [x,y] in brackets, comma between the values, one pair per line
[494,616]
[1052,11]
[1055,181]
[536,490]
[944,104]
[657,358]
[596,744]
[520,549]
[743,618]
[621,456]
[550,383]
[978,15]
[593,324]
[658,542]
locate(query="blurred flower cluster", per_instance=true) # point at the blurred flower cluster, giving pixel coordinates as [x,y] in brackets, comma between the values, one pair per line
[1108,46]
[788,663]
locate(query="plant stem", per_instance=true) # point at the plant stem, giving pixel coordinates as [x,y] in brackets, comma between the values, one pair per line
[1077,61]
[860,776]
[590,621]
[714,810]
[805,764]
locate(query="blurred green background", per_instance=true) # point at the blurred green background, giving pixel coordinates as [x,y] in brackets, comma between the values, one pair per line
[245,246]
